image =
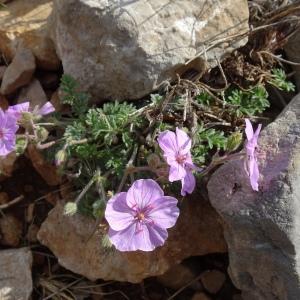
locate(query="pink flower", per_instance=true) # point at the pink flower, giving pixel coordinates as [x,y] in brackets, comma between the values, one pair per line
[18,109]
[8,129]
[251,145]
[139,219]
[177,153]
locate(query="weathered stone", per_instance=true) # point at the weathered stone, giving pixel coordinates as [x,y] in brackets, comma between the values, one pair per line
[32,233]
[126,49]
[11,230]
[19,72]
[197,232]
[33,93]
[262,228]
[16,281]
[3,102]
[2,71]
[213,280]
[177,277]
[7,164]
[47,171]
[24,24]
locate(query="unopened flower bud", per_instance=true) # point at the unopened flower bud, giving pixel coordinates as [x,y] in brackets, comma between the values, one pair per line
[60,157]
[70,208]
[234,141]
[26,119]
[21,144]
[42,134]
[106,243]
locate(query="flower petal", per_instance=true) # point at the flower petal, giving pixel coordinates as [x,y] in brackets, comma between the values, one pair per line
[257,131]
[138,237]
[16,110]
[177,172]
[6,147]
[249,129]
[188,183]
[167,142]
[117,213]
[184,142]
[142,192]
[164,212]
[254,176]
[46,109]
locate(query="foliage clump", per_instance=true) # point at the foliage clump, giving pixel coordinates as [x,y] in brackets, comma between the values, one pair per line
[112,144]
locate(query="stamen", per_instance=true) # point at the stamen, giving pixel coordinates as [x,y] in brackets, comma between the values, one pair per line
[180,158]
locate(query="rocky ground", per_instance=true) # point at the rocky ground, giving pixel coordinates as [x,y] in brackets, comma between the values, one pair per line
[47,255]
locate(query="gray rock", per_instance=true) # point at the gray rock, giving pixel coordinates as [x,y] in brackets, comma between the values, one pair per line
[2,71]
[197,232]
[126,49]
[24,24]
[34,93]
[19,72]
[262,228]
[15,276]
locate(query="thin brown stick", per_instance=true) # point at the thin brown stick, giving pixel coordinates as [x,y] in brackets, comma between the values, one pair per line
[11,203]
[184,287]
[63,289]
[239,35]
[280,58]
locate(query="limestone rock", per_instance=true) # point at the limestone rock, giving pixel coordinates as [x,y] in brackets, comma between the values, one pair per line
[47,171]
[19,72]
[7,164]
[11,230]
[24,23]
[262,228]
[3,102]
[197,232]
[33,93]
[16,281]
[2,71]
[213,280]
[126,49]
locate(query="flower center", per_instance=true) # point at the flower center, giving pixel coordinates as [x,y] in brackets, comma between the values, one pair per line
[140,216]
[181,158]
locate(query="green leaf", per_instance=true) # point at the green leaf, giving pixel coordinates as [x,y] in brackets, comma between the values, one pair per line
[72,96]
[21,145]
[279,80]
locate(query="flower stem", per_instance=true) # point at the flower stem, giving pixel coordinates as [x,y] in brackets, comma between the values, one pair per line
[220,161]
[84,191]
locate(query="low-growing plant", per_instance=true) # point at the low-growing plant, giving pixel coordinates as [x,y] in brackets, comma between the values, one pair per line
[112,153]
